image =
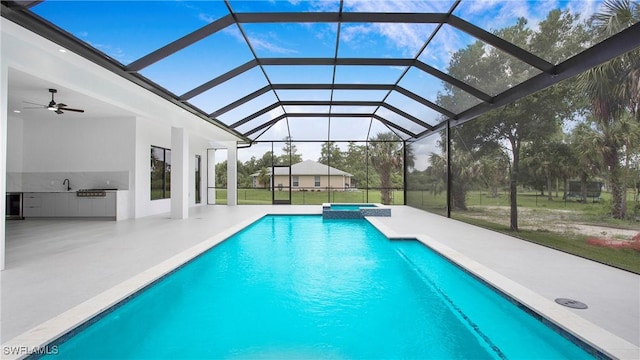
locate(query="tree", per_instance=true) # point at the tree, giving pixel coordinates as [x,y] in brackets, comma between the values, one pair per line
[355,163]
[264,177]
[221,174]
[386,157]
[613,90]
[331,155]
[266,161]
[290,154]
[463,169]
[493,169]
[587,145]
[550,159]
[527,120]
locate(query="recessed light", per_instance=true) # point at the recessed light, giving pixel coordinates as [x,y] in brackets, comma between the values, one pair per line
[17,111]
[62,50]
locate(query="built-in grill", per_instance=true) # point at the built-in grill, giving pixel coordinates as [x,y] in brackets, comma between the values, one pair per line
[91,193]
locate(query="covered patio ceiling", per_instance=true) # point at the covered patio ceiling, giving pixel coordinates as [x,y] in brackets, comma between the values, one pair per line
[312,70]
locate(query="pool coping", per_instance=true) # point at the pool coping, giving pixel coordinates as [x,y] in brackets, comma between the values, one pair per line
[35,339]
[598,338]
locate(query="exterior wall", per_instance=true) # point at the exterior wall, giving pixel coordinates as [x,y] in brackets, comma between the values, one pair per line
[150,133]
[308,182]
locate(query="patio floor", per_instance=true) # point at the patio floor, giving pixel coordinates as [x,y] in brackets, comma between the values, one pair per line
[54,265]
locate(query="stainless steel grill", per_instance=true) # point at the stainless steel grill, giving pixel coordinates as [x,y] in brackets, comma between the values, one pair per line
[91,193]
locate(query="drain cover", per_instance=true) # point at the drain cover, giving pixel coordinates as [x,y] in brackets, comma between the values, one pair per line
[575,304]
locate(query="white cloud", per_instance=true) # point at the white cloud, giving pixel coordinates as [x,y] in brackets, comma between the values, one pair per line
[115,52]
[350,33]
[266,41]
[260,43]
[397,6]
[584,8]
[408,38]
[207,18]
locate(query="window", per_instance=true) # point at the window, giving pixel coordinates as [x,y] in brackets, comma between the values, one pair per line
[296,181]
[160,173]
[198,179]
[316,181]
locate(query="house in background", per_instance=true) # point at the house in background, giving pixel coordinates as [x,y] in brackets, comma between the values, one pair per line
[307,175]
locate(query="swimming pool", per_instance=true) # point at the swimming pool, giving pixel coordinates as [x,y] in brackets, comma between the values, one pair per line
[303,287]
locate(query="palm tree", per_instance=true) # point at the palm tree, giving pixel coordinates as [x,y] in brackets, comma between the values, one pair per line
[386,155]
[264,177]
[613,90]
[587,145]
[463,169]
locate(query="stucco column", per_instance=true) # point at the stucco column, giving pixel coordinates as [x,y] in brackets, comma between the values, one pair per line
[4,86]
[232,173]
[179,173]
[211,176]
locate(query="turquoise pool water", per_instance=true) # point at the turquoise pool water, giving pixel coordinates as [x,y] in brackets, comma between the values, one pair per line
[349,207]
[302,287]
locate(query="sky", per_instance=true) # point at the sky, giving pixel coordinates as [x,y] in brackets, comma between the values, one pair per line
[128,30]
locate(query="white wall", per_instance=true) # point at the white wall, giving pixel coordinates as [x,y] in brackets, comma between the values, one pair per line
[14,154]
[198,146]
[14,144]
[78,144]
[151,133]
[148,133]
[65,146]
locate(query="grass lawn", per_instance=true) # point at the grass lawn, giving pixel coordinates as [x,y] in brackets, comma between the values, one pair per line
[627,259]
[262,197]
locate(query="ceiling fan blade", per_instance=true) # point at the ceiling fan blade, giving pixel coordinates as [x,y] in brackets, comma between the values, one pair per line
[61,105]
[32,103]
[70,109]
[59,112]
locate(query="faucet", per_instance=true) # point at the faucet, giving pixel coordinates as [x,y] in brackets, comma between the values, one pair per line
[68,184]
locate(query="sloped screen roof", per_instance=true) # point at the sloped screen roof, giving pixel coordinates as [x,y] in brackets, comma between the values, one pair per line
[330,70]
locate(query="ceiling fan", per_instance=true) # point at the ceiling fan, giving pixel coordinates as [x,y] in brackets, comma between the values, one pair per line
[58,108]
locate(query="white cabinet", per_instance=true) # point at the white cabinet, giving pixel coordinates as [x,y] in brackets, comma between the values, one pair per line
[48,207]
[97,206]
[84,206]
[68,204]
[31,204]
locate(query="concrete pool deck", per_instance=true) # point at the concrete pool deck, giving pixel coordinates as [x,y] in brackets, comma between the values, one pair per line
[55,265]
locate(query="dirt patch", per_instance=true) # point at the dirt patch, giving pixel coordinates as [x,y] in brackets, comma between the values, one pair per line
[553,220]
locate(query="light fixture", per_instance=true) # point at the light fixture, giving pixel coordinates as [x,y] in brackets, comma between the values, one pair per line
[62,50]
[17,111]
[52,104]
